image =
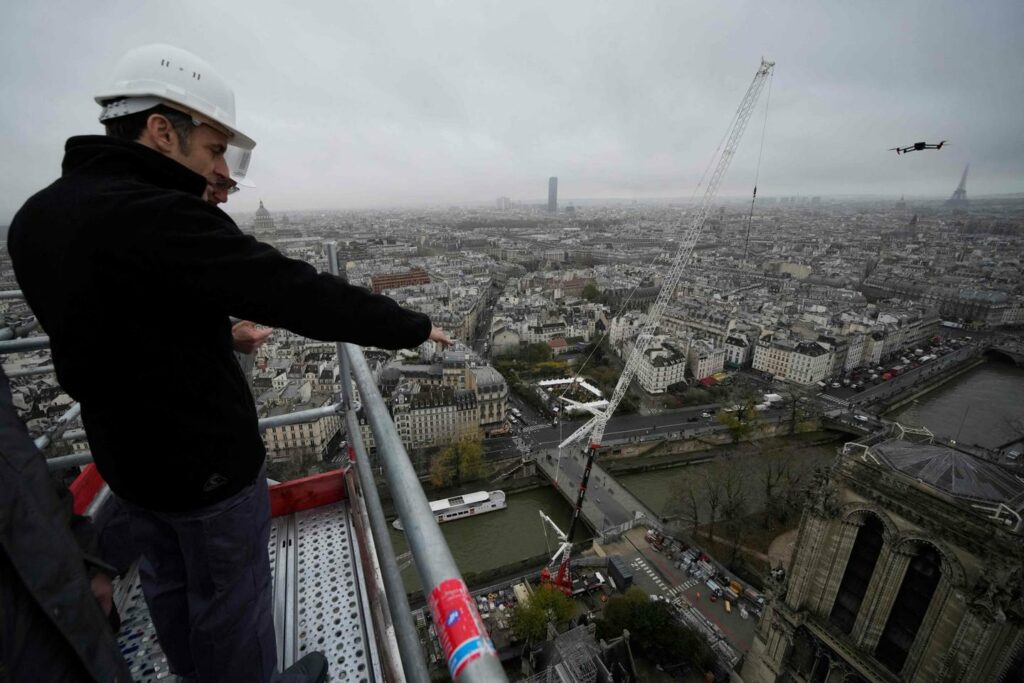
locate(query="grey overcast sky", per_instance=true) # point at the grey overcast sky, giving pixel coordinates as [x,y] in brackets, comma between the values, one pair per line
[364,104]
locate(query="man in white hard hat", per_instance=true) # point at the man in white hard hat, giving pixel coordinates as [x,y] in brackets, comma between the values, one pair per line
[134,277]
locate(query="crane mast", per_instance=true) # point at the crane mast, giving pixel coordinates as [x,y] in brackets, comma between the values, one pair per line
[595,426]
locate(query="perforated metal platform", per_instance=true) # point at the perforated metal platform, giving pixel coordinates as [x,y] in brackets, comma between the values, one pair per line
[319,601]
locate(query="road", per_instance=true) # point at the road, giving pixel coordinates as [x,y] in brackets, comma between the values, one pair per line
[482,334]
[656,574]
[906,380]
[621,429]
[538,435]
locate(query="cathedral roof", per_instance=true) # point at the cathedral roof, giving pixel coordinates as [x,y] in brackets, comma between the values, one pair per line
[954,472]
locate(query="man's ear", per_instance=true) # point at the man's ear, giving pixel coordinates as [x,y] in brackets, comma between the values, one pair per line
[161,134]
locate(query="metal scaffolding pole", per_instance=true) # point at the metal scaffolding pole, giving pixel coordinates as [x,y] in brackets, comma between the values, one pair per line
[470,659]
[24,344]
[413,663]
[63,462]
[28,372]
[62,422]
[298,417]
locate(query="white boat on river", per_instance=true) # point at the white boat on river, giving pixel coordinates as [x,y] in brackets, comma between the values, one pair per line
[466,505]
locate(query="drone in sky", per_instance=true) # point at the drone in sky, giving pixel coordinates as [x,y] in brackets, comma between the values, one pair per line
[916,147]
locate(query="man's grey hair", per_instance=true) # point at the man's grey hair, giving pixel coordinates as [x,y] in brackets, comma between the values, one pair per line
[130,127]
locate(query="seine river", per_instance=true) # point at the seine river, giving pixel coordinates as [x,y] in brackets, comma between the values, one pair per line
[499,538]
[979,406]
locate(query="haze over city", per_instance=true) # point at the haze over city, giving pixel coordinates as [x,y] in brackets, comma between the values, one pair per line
[357,105]
[473,379]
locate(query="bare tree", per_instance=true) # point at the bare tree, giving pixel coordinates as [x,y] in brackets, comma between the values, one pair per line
[734,505]
[773,476]
[694,508]
[1015,425]
[714,496]
[800,404]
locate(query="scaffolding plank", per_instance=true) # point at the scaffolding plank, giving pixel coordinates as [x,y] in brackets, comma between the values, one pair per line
[319,601]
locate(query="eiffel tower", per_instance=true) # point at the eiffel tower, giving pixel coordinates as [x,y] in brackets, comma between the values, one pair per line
[959,198]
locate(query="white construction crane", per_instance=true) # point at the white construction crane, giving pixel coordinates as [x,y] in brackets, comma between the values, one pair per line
[595,426]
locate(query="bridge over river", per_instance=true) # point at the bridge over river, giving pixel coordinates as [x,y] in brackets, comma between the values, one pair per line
[607,504]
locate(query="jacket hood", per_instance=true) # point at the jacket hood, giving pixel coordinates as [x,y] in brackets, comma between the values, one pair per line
[106,155]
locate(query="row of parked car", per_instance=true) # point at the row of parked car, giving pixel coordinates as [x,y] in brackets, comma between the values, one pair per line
[910,359]
[698,565]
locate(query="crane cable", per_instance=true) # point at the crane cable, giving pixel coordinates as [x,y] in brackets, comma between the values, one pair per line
[757,171]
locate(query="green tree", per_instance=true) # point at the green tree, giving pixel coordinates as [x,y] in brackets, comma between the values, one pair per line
[741,422]
[551,368]
[591,292]
[546,605]
[654,633]
[536,353]
[457,464]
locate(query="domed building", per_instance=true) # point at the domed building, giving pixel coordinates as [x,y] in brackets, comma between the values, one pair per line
[263,223]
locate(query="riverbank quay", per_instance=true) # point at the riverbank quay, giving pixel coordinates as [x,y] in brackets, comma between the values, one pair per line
[670,458]
[900,399]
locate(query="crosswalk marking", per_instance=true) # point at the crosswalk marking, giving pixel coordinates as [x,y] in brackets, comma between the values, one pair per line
[640,564]
[686,585]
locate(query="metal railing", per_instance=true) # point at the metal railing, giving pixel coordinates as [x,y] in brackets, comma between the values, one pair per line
[464,638]
[63,462]
[413,663]
[28,372]
[447,593]
[59,426]
[23,344]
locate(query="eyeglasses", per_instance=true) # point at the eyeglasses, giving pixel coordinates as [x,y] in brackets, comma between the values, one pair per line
[223,184]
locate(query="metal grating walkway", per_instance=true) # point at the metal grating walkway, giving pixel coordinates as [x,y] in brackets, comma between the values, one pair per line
[319,601]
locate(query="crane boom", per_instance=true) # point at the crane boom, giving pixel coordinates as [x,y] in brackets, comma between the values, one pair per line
[596,425]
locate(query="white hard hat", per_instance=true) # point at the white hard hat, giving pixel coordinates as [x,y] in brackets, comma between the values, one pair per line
[163,74]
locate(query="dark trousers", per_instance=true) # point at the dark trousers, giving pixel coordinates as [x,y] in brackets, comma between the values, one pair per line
[206,579]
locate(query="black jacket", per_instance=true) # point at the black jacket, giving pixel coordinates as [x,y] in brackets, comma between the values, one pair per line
[51,627]
[134,276]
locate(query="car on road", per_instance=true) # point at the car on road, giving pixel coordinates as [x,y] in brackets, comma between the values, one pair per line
[705,414]
[860,418]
